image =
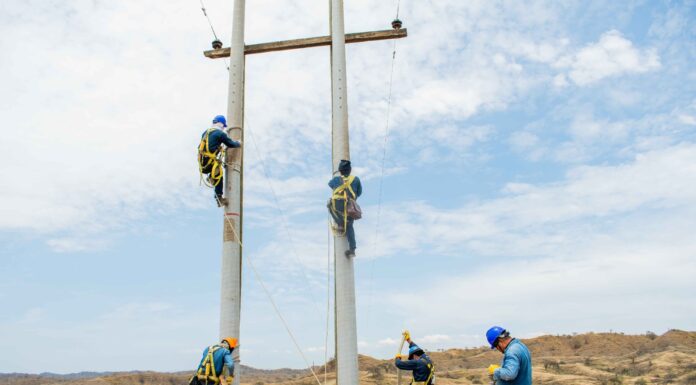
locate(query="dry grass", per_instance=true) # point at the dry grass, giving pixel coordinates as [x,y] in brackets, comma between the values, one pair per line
[586,359]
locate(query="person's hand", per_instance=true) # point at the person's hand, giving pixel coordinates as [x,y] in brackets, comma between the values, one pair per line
[239,141]
[398,357]
[407,335]
[492,368]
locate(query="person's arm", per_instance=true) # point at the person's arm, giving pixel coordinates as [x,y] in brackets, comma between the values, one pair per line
[511,367]
[357,187]
[335,182]
[229,142]
[229,363]
[406,365]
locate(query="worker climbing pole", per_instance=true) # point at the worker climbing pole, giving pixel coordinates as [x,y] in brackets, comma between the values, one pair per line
[210,153]
[343,206]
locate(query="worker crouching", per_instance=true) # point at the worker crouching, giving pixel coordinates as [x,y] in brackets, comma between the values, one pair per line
[217,365]
[343,206]
[516,367]
[418,363]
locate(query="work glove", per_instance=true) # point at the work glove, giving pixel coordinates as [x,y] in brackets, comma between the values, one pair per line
[492,368]
[398,357]
[407,335]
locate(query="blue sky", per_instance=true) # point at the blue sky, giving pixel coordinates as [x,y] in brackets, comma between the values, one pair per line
[540,174]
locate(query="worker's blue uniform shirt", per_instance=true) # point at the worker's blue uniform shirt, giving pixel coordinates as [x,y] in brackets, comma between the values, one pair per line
[337,215]
[420,369]
[221,357]
[218,137]
[337,182]
[516,367]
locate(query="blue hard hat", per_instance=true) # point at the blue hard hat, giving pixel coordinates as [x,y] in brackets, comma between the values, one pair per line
[414,349]
[492,334]
[220,119]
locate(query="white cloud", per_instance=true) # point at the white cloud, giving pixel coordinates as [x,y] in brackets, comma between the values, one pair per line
[612,55]
[387,341]
[72,244]
[435,338]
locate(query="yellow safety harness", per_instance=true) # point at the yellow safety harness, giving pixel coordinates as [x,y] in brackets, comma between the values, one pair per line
[341,192]
[206,372]
[209,162]
[430,376]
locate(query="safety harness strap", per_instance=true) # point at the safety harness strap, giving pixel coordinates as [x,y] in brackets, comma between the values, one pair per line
[341,193]
[206,372]
[209,160]
[430,375]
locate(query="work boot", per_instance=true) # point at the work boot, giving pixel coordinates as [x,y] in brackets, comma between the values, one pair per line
[221,201]
[350,253]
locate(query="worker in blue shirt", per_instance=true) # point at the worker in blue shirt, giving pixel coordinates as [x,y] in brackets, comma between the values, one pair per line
[217,364]
[516,367]
[418,362]
[345,187]
[210,155]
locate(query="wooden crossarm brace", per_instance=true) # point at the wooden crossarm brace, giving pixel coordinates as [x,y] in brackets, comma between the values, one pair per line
[310,42]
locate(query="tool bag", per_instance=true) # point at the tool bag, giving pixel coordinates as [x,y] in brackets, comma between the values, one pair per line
[345,191]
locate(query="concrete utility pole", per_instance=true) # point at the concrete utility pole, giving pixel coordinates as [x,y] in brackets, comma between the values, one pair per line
[346,325]
[231,285]
[346,333]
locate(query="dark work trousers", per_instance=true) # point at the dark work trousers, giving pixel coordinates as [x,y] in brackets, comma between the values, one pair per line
[338,217]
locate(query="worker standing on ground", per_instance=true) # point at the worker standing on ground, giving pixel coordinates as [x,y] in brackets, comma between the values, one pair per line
[217,365]
[516,367]
[210,151]
[343,206]
[418,362]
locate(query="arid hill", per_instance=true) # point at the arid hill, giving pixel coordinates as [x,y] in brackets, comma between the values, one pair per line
[585,359]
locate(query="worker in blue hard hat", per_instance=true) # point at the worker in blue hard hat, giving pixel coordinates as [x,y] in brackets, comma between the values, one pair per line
[516,367]
[210,156]
[418,363]
[343,206]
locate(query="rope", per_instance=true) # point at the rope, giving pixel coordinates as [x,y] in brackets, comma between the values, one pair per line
[270,298]
[209,22]
[328,298]
[283,218]
[381,176]
[205,13]
[292,244]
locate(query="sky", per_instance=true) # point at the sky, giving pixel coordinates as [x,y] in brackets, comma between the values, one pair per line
[539,173]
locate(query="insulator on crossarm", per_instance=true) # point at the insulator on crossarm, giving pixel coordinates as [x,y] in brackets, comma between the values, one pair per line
[217,44]
[396,24]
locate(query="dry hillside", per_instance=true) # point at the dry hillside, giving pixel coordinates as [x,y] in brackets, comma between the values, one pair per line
[586,359]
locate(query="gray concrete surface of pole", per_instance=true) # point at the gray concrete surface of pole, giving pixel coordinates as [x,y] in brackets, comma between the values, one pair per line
[231,286]
[346,325]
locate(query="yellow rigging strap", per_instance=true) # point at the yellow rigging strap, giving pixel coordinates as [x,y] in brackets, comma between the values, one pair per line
[209,161]
[206,372]
[341,192]
[430,376]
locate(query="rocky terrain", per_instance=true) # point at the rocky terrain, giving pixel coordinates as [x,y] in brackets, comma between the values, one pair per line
[585,359]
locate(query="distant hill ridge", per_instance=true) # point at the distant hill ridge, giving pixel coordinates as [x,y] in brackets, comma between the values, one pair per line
[583,359]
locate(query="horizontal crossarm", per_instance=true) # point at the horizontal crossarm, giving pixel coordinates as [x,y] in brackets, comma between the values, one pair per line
[310,42]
